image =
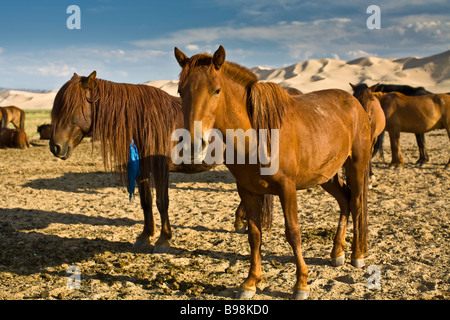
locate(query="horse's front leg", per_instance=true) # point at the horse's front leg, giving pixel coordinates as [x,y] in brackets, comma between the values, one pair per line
[288,199]
[149,223]
[253,207]
[423,154]
[397,159]
[240,224]
[161,179]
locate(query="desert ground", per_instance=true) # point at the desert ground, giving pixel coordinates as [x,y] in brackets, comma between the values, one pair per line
[57,214]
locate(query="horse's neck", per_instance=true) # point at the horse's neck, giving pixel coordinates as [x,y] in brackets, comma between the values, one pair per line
[232,111]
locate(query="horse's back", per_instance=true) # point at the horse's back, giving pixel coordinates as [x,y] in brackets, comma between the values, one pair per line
[417,114]
[330,106]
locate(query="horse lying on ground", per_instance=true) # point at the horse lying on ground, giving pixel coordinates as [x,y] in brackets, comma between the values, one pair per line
[45,131]
[416,114]
[14,115]
[318,134]
[143,114]
[14,138]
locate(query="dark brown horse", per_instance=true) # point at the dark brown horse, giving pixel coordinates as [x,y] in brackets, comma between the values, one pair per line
[372,105]
[14,115]
[415,114]
[45,131]
[318,132]
[114,114]
[420,137]
[14,138]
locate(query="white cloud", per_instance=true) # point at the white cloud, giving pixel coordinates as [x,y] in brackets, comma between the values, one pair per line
[192,47]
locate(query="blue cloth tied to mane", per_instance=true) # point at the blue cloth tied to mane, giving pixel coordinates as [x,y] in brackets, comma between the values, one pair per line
[133,168]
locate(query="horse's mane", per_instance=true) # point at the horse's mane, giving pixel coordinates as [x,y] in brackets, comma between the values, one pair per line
[266,101]
[122,112]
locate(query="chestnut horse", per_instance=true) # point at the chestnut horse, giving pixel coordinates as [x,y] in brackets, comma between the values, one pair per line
[319,133]
[14,115]
[415,114]
[114,114]
[14,138]
[372,105]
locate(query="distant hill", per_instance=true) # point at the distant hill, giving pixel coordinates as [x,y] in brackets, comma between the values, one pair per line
[432,73]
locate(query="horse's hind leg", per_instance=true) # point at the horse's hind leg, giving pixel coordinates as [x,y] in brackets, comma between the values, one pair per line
[341,193]
[145,194]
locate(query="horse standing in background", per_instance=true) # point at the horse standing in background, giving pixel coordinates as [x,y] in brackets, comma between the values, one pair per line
[416,114]
[372,105]
[14,115]
[420,137]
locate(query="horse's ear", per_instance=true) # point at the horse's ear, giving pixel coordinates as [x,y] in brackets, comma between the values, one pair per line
[75,75]
[88,82]
[374,87]
[181,57]
[219,58]
[353,86]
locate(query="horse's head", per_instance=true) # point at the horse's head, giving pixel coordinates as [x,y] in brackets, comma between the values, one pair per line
[200,89]
[72,114]
[365,95]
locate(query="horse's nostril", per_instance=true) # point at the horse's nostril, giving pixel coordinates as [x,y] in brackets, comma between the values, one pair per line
[55,148]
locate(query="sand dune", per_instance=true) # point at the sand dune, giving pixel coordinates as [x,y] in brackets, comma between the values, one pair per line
[432,73]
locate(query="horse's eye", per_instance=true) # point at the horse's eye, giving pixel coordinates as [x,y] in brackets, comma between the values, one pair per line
[217,92]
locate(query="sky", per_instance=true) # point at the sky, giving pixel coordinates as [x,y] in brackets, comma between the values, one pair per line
[132,41]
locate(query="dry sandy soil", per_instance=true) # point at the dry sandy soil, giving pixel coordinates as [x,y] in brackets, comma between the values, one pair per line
[55,214]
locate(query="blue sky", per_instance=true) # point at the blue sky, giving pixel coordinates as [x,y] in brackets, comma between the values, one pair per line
[132,41]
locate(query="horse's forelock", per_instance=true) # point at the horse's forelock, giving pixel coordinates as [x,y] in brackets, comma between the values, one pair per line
[67,101]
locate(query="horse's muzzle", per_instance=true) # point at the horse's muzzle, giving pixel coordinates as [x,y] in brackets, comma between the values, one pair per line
[60,151]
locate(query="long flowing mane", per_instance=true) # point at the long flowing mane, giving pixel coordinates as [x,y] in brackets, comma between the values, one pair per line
[266,101]
[122,112]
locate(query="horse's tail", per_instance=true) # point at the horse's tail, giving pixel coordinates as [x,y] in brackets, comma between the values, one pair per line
[363,226]
[4,119]
[22,120]
[267,212]
[378,147]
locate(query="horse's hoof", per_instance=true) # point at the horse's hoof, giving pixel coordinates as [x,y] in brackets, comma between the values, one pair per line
[241,229]
[139,244]
[300,295]
[358,263]
[161,249]
[245,294]
[339,261]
